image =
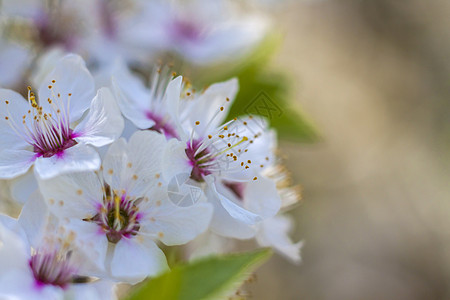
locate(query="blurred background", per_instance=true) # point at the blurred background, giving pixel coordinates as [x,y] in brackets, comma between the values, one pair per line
[374,76]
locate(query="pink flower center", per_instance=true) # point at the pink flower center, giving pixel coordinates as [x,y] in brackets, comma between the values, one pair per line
[52,268]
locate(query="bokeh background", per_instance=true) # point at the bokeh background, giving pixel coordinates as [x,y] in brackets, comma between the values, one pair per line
[374,76]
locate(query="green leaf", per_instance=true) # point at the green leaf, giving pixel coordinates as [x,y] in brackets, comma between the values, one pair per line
[267,94]
[207,279]
[263,91]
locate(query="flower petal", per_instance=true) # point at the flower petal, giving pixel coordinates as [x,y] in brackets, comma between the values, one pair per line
[15,162]
[23,186]
[132,96]
[175,160]
[135,166]
[178,225]
[224,224]
[17,107]
[33,217]
[239,225]
[209,103]
[93,244]
[172,100]
[236,211]
[136,258]
[98,290]
[75,159]
[103,124]
[74,195]
[273,232]
[13,252]
[71,77]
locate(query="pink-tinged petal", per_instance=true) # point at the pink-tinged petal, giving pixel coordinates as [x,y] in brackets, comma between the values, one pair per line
[71,77]
[76,195]
[98,290]
[12,108]
[20,284]
[137,258]
[23,186]
[273,232]
[176,225]
[15,162]
[74,159]
[103,124]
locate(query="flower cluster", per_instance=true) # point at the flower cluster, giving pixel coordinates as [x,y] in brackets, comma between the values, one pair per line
[112,171]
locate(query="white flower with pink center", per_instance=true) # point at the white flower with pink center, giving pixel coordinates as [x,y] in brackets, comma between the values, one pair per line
[123,210]
[40,259]
[146,107]
[200,31]
[52,130]
[227,158]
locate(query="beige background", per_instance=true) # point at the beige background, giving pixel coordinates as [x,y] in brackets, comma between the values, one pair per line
[375,78]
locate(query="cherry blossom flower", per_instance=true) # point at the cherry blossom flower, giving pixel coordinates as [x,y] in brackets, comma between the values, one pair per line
[200,31]
[226,157]
[52,130]
[124,209]
[40,259]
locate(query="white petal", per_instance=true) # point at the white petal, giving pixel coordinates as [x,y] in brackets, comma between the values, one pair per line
[13,252]
[135,166]
[225,225]
[273,232]
[132,96]
[172,100]
[15,162]
[98,290]
[103,124]
[93,244]
[45,64]
[145,151]
[208,244]
[178,225]
[74,195]
[17,107]
[23,186]
[236,211]
[135,259]
[209,103]
[33,217]
[74,159]
[175,160]
[261,197]
[72,77]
